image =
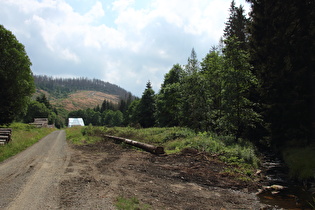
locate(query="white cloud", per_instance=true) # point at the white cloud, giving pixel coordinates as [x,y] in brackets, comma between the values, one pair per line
[68,55]
[121,5]
[116,41]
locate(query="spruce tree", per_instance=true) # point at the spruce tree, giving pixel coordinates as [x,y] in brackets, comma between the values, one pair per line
[169,99]
[237,25]
[147,107]
[282,53]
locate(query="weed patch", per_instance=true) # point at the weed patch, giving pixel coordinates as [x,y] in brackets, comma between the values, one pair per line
[130,204]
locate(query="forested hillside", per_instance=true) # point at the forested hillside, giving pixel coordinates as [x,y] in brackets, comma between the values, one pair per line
[62,87]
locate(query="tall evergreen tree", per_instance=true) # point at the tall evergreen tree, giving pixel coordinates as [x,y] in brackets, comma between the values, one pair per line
[147,107]
[193,63]
[194,96]
[239,113]
[282,53]
[212,68]
[237,25]
[169,98]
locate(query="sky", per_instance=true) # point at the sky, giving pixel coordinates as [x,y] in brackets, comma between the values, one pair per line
[124,42]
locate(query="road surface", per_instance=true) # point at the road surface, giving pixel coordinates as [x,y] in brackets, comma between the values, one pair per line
[30,180]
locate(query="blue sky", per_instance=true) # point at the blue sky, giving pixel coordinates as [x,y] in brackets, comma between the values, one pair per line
[124,42]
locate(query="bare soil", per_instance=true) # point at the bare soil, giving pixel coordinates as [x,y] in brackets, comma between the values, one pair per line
[100,173]
[55,175]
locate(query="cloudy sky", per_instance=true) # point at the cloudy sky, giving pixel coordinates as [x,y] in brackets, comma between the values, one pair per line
[124,42]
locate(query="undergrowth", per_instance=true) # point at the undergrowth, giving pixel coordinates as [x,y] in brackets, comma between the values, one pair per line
[23,136]
[83,135]
[240,154]
[301,162]
[176,139]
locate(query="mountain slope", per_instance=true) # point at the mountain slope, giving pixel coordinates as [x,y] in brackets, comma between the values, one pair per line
[80,93]
[60,87]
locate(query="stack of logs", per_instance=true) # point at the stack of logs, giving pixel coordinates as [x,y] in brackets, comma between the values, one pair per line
[5,135]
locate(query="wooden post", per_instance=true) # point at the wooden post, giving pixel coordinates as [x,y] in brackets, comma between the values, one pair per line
[147,147]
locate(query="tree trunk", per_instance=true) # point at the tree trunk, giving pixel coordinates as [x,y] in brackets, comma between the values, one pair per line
[147,147]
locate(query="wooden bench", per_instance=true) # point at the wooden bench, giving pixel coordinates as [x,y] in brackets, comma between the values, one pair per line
[5,135]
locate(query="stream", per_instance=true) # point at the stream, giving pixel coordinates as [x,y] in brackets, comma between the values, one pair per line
[279,191]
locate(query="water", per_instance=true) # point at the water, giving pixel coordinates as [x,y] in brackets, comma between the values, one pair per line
[293,195]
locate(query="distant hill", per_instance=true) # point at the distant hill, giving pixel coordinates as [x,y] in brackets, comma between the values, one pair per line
[78,93]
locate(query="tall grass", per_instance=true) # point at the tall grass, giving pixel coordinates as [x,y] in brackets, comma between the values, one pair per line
[83,135]
[301,162]
[176,139]
[23,136]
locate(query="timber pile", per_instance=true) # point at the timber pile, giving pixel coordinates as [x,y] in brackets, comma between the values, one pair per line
[147,147]
[5,135]
[40,122]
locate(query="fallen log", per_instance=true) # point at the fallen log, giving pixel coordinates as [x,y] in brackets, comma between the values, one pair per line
[147,147]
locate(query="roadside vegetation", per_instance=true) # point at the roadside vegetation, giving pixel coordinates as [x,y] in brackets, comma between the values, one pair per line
[239,154]
[23,136]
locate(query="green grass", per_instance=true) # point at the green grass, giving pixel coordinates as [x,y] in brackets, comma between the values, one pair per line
[240,154]
[130,204]
[176,139]
[83,135]
[301,162]
[23,136]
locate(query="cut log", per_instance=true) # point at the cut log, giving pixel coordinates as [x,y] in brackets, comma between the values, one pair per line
[147,147]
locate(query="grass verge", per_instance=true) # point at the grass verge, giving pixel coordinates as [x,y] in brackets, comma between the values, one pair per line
[23,136]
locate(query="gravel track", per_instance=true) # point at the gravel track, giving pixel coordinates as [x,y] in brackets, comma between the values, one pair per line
[30,180]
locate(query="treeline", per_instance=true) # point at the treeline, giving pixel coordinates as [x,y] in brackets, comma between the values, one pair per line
[257,84]
[61,87]
[108,114]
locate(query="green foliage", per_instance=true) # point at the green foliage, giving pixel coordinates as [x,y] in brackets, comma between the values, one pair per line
[130,204]
[175,139]
[16,78]
[282,53]
[169,99]
[236,26]
[239,113]
[62,87]
[83,135]
[23,136]
[146,109]
[301,162]
[132,113]
[36,110]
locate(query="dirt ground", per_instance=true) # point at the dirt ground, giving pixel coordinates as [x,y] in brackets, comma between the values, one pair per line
[98,174]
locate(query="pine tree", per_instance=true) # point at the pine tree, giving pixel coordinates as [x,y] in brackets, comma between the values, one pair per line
[282,53]
[193,63]
[147,107]
[237,25]
[239,113]
[169,98]
[212,69]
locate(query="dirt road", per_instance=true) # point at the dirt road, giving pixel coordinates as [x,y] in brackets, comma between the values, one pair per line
[30,180]
[54,175]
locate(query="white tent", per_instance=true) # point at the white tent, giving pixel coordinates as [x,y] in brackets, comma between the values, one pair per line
[75,122]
